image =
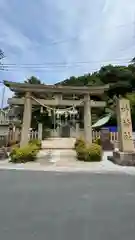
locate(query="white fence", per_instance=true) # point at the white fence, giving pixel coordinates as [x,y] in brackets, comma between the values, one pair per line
[15,136]
[95,135]
[113,136]
[33,135]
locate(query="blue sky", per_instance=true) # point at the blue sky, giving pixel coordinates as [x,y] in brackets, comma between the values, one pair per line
[64,32]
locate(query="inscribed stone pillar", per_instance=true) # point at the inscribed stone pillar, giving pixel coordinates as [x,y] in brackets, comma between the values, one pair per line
[124,123]
[87,119]
[26,120]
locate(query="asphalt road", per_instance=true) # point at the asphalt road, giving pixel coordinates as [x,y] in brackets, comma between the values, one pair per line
[43,205]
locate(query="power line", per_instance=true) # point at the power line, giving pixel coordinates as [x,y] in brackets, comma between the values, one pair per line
[52,70]
[60,68]
[65,64]
[45,65]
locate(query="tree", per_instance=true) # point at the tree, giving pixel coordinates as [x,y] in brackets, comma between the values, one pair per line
[119,89]
[133,60]
[36,115]
[131,98]
[87,79]
[19,110]
[73,81]
[33,80]
[121,80]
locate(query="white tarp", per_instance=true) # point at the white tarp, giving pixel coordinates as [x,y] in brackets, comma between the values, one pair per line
[102,121]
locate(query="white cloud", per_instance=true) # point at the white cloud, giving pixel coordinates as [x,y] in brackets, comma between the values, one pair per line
[66,31]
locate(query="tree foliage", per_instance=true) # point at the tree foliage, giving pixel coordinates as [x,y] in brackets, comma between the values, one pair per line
[33,80]
[121,80]
[1,54]
[36,115]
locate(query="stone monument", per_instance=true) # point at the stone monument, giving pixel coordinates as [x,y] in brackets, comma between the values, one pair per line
[126,154]
[124,123]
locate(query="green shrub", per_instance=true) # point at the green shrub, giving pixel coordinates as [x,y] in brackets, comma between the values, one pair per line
[90,153]
[24,154]
[36,142]
[79,143]
[82,153]
[94,153]
[97,141]
[13,151]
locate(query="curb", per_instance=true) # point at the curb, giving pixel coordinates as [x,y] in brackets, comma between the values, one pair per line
[69,170]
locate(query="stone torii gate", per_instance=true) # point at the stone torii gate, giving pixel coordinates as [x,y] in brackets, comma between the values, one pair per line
[57,91]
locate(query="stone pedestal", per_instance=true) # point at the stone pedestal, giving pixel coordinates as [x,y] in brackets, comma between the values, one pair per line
[123,158]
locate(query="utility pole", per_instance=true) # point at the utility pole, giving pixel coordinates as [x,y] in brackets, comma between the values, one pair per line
[3,94]
[1,82]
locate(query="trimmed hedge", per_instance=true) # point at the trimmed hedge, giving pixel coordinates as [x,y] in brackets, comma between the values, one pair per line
[79,143]
[88,153]
[97,141]
[24,154]
[36,142]
[94,153]
[82,153]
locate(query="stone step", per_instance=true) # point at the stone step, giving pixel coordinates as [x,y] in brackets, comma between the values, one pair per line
[58,143]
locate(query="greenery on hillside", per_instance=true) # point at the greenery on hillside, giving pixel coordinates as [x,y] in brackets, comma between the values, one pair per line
[121,80]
